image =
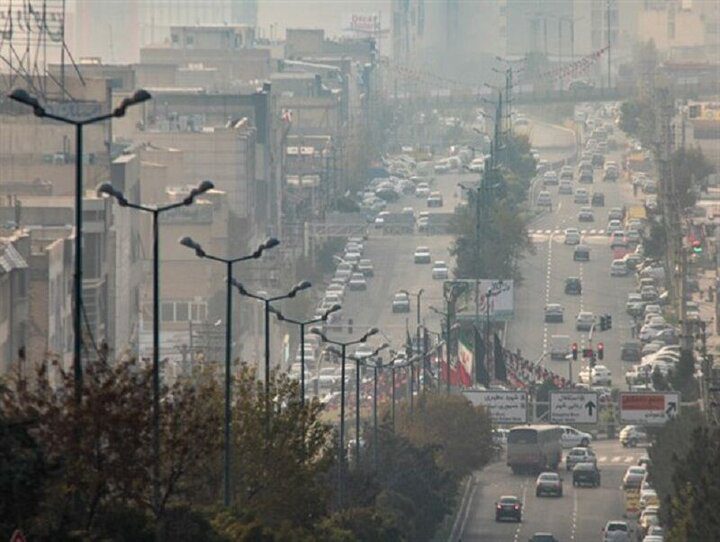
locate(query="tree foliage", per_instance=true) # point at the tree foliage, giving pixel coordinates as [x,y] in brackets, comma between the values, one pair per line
[460,433]
[690,169]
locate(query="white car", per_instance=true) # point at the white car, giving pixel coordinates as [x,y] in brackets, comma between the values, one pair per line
[618,239]
[582,196]
[422,255]
[422,190]
[601,375]
[566,187]
[357,282]
[401,302]
[477,165]
[440,270]
[572,236]
[584,321]
[550,178]
[616,531]
[618,268]
[571,437]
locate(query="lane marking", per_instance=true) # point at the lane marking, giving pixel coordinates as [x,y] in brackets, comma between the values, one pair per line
[574,515]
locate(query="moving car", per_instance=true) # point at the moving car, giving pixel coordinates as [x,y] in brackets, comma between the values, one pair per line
[548,483]
[598,199]
[586,214]
[401,302]
[554,313]
[357,282]
[573,286]
[565,188]
[550,178]
[616,213]
[365,267]
[584,321]
[440,270]
[581,196]
[572,438]
[422,255]
[579,454]
[544,199]
[559,347]
[616,531]
[508,507]
[542,537]
[581,253]
[618,239]
[632,435]
[614,225]
[630,351]
[572,236]
[586,474]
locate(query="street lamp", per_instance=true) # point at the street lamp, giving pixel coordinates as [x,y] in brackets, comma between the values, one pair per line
[200,253]
[343,351]
[418,295]
[304,285]
[302,324]
[358,361]
[23,97]
[108,190]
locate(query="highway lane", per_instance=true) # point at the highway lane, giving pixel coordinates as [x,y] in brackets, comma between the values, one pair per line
[577,516]
[545,273]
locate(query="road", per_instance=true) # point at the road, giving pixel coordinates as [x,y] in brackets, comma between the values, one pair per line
[544,275]
[392,257]
[577,516]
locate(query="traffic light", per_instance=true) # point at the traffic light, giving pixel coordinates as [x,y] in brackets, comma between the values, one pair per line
[697,246]
[588,353]
[602,323]
[600,350]
[608,321]
[574,351]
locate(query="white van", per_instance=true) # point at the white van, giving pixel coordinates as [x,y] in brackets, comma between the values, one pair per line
[559,347]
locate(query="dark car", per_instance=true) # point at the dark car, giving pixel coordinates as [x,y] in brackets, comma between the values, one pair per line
[542,537]
[508,507]
[573,286]
[586,474]
[598,160]
[630,351]
[598,199]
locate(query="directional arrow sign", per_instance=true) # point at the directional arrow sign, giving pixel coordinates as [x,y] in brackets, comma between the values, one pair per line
[648,408]
[573,406]
[504,406]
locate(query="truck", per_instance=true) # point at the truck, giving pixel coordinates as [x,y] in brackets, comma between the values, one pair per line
[636,212]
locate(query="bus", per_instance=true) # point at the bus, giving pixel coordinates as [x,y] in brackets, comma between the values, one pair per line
[534,448]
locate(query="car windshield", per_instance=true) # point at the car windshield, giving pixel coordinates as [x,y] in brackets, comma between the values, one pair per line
[617,527]
[509,500]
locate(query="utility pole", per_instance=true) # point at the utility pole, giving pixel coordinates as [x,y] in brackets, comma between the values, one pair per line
[609,51]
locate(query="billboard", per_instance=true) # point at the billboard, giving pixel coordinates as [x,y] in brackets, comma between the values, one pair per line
[476,296]
[504,406]
[648,408]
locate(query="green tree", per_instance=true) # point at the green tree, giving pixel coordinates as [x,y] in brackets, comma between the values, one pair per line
[690,170]
[460,433]
[280,480]
[683,378]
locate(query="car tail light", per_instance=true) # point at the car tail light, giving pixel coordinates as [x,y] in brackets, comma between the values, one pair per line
[499,507]
[517,507]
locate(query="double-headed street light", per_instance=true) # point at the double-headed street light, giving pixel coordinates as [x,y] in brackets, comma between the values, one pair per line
[108,190]
[229,262]
[302,324]
[343,352]
[418,295]
[358,361]
[304,285]
[23,97]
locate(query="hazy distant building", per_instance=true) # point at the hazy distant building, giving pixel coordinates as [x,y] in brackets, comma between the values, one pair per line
[14,255]
[115,30]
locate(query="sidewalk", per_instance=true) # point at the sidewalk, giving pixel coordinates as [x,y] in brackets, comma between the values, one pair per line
[707,279]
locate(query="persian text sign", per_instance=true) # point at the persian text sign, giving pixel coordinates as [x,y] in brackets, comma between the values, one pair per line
[648,408]
[504,406]
[573,407]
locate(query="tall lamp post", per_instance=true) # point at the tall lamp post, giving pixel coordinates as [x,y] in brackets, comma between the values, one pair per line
[302,324]
[107,189]
[23,97]
[304,285]
[229,262]
[358,361]
[418,296]
[343,352]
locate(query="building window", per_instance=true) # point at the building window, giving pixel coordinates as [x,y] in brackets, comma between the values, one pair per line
[199,312]
[167,312]
[181,311]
